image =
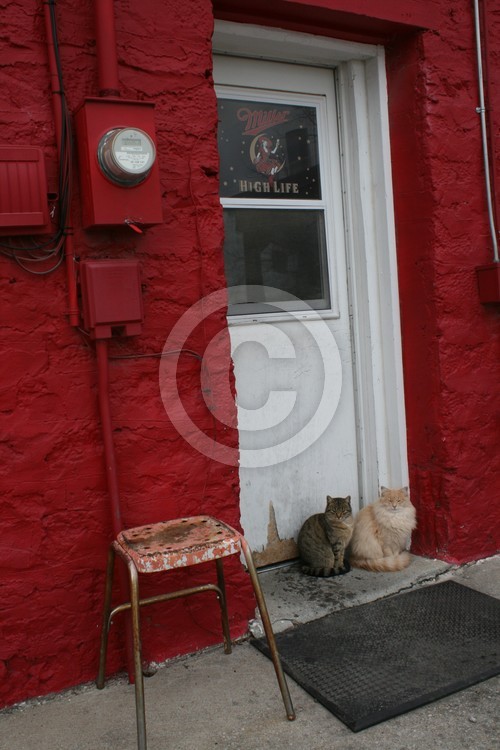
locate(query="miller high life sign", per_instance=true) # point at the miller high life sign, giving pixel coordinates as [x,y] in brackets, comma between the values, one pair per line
[268,150]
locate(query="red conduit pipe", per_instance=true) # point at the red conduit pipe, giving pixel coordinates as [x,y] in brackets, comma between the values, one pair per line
[69,254]
[107,69]
[101,347]
[108,84]
[107,56]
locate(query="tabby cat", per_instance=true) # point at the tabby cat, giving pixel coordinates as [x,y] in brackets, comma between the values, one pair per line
[382,532]
[324,537]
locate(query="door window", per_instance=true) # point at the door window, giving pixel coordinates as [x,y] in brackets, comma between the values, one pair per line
[275,202]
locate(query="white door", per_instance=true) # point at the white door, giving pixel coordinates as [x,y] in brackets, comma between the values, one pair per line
[289,319]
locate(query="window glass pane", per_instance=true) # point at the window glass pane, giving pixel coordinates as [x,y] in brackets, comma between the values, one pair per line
[275,248]
[268,150]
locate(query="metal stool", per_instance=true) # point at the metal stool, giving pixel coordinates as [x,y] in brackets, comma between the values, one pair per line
[170,545]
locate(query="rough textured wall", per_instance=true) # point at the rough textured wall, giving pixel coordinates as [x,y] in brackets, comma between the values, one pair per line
[450,341]
[55,521]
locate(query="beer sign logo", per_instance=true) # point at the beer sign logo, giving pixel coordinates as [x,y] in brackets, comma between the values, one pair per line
[268,151]
[257,120]
[266,156]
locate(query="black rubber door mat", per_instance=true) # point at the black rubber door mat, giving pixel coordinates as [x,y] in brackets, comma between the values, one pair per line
[376,661]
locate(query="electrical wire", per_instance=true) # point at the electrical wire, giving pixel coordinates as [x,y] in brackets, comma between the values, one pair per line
[50,251]
[158,355]
[169,353]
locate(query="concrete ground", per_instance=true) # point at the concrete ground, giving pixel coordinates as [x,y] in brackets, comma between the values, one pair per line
[209,701]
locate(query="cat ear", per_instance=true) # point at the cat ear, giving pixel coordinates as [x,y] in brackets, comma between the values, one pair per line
[405,490]
[328,498]
[383,489]
[348,498]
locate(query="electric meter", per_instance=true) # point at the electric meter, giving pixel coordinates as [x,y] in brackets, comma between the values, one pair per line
[126,155]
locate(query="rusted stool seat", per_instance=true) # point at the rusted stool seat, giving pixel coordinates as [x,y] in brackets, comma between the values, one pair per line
[170,545]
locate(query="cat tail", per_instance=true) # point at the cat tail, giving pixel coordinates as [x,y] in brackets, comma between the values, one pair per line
[389,564]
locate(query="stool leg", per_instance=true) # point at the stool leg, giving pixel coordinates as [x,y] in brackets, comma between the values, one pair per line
[223,605]
[268,630]
[105,618]
[138,678]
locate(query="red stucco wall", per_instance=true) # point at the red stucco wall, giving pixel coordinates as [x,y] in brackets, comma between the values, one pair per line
[450,341]
[55,524]
[55,521]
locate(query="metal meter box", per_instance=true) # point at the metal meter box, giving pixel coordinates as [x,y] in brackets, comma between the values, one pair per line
[23,191]
[111,297]
[119,174]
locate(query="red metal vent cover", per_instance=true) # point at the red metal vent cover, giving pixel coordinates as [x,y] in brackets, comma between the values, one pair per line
[23,191]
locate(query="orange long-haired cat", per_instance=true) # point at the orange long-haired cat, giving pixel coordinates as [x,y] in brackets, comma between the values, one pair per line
[382,532]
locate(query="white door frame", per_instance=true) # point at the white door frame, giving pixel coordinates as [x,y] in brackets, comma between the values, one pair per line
[370,236]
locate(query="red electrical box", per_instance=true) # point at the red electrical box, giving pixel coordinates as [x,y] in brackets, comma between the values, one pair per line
[119,174]
[111,297]
[23,191]
[488,281]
